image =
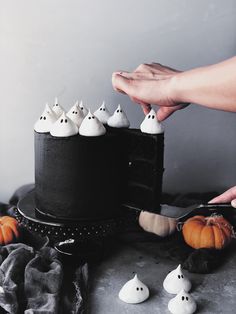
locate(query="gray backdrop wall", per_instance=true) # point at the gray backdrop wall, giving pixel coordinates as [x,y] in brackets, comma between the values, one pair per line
[70,48]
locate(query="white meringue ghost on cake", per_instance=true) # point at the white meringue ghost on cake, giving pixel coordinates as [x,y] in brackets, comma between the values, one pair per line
[83,108]
[151,125]
[102,113]
[64,127]
[134,291]
[57,108]
[182,303]
[76,114]
[91,126]
[46,120]
[175,281]
[118,119]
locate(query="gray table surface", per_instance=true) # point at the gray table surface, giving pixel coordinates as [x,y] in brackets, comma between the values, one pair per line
[215,293]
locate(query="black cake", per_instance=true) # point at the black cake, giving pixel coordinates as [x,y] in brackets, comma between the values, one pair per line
[91,178]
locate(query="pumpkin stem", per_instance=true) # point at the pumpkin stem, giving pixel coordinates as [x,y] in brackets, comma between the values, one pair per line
[179,226]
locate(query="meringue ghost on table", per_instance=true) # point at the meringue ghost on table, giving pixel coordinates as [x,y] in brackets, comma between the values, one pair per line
[57,108]
[83,108]
[91,126]
[118,119]
[134,291]
[46,120]
[175,281]
[102,113]
[64,127]
[151,125]
[76,114]
[182,303]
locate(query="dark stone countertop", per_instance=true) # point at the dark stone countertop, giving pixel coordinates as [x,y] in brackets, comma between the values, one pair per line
[215,292]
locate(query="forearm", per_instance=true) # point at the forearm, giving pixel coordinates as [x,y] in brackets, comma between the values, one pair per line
[212,86]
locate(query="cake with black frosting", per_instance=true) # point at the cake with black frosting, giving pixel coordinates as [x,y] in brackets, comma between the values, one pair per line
[88,166]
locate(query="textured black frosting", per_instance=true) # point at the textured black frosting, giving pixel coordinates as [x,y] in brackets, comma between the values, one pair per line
[89,178]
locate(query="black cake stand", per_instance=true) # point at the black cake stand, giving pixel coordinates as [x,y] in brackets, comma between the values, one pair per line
[65,235]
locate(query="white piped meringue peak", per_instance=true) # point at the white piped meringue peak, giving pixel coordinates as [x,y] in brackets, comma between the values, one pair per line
[57,108]
[83,108]
[118,119]
[64,127]
[175,281]
[151,125]
[91,126]
[46,120]
[76,114]
[102,113]
[182,303]
[134,291]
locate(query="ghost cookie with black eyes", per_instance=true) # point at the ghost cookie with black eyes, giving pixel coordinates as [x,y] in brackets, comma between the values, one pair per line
[134,291]
[64,127]
[91,126]
[57,108]
[182,303]
[118,119]
[175,281]
[76,114]
[46,120]
[102,113]
[83,108]
[151,125]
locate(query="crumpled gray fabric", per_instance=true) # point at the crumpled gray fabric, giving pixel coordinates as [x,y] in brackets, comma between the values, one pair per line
[33,277]
[30,281]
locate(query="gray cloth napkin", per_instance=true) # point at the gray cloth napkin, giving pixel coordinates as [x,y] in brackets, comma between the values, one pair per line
[33,277]
[29,279]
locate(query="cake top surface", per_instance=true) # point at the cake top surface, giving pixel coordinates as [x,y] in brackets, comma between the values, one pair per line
[80,120]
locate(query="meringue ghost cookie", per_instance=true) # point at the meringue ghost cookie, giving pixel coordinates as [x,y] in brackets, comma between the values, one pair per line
[76,114]
[134,291]
[64,127]
[83,108]
[175,281]
[58,110]
[182,303]
[151,125]
[91,126]
[46,120]
[118,119]
[102,113]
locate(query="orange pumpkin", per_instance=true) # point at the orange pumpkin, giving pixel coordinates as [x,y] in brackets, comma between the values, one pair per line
[207,232]
[9,230]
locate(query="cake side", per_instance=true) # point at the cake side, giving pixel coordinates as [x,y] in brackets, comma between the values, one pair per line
[79,177]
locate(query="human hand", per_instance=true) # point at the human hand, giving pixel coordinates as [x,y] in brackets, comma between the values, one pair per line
[227,197]
[150,84]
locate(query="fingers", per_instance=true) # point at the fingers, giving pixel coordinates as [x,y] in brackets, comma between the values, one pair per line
[226,197]
[146,108]
[122,84]
[164,112]
[233,203]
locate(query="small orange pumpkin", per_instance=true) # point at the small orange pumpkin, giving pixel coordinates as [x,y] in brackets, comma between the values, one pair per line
[9,230]
[207,232]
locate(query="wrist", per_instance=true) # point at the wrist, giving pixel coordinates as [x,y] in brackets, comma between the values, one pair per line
[176,91]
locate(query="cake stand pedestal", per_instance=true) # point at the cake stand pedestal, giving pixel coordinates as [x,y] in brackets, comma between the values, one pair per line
[67,236]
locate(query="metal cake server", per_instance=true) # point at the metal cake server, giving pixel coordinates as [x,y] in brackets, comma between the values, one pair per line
[180,212]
